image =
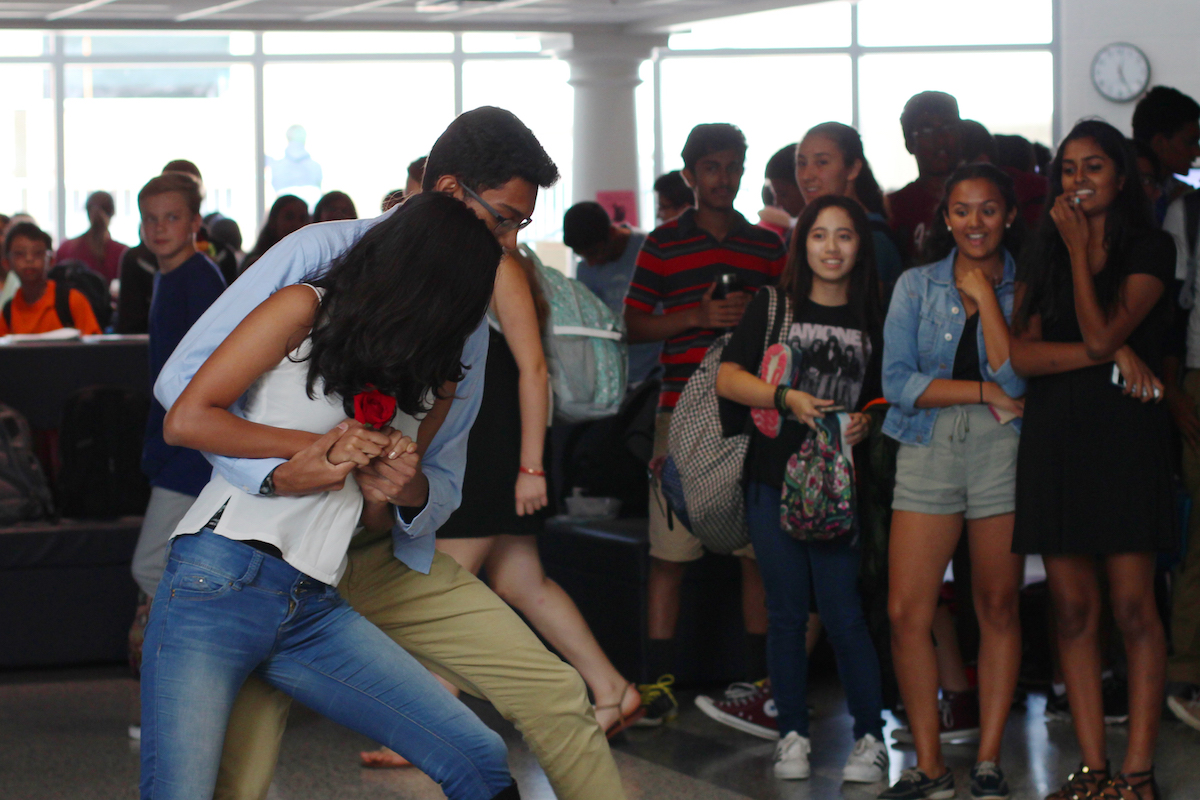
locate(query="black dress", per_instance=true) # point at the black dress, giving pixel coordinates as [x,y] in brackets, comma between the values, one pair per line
[489,505]
[1093,467]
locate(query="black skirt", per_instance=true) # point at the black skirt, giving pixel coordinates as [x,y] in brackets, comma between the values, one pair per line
[1093,469]
[489,505]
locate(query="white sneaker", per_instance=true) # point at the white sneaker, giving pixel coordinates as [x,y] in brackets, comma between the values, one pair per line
[791,757]
[868,761]
[1187,708]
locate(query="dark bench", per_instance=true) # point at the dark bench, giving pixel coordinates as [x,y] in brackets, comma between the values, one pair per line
[604,565]
[66,592]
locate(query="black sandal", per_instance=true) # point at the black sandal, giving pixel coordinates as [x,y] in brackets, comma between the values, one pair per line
[1129,786]
[1084,784]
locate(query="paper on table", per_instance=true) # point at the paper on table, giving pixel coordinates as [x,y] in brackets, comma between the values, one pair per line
[60,335]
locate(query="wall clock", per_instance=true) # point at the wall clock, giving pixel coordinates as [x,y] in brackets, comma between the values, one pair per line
[1120,72]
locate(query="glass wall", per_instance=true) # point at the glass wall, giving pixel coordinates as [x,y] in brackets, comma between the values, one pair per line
[264,114]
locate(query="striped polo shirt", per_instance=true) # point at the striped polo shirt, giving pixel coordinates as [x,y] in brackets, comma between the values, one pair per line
[677,264]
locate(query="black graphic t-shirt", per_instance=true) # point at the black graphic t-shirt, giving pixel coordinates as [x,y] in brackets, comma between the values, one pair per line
[837,361]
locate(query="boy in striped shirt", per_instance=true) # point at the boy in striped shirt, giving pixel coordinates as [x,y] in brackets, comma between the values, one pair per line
[677,270]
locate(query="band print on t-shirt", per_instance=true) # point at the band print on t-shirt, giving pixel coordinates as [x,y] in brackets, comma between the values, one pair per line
[833,361]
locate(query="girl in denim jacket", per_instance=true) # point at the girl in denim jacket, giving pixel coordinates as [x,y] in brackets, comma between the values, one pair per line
[956,413]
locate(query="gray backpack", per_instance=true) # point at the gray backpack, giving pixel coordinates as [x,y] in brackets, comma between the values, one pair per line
[710,464]
[24,493]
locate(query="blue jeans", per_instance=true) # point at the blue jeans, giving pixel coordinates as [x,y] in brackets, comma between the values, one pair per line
[790,570]
[224,610]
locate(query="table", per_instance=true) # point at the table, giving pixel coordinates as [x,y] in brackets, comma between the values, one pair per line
[36,378]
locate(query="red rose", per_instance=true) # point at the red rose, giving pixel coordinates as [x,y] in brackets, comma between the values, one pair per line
[374,408]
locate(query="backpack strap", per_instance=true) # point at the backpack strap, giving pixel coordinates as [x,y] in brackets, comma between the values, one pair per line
[62,303]
[8,315]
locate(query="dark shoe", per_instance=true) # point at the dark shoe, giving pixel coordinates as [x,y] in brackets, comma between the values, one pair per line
[510,793]
[1115,693]
[959,712]
[916,785]
[1132,786]
[1085,784]
[659,702]
[1057,707]
[747,707]
[987,782]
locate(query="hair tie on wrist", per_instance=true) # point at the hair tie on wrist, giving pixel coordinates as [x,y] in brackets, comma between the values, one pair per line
[537,473]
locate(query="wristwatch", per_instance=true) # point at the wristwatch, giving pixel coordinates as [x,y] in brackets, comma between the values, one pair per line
[268,485]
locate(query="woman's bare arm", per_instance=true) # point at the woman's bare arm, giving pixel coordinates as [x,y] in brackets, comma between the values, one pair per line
[200,419]
[513,301]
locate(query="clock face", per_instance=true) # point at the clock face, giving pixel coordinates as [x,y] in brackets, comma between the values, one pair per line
[1120,72]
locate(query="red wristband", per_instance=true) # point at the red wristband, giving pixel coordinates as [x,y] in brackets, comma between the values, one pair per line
[537,473]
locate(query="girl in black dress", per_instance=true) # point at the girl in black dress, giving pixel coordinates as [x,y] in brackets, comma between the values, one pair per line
[1093,477]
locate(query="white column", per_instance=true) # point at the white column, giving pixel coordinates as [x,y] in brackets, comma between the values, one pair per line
[604,73]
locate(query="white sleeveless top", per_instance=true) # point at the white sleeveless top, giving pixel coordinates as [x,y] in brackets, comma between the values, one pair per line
[312,532]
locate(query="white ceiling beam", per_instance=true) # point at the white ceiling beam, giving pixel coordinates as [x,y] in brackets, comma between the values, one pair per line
[482,9]
[209,11]
[665,23]
[71,11]
[341,12]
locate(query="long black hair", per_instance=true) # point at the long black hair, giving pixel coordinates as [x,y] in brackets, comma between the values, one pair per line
[400,304]
[797,279]
[1044,267]
[941,241]
[849,143]
[268,237]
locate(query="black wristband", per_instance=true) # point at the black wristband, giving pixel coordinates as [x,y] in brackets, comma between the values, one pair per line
[267,489]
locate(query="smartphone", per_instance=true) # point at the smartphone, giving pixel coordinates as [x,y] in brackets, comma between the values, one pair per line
[1118,380]
[728,283]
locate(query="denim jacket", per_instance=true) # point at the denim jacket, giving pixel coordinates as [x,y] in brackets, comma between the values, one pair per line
[920,339]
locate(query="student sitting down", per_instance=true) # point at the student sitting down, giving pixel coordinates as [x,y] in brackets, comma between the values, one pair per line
[39,306]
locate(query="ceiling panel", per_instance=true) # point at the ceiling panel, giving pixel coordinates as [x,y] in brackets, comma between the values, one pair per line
[551,15]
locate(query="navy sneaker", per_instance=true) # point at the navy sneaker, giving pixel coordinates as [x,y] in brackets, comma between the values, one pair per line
[987,782]
[659,702]
[916,785]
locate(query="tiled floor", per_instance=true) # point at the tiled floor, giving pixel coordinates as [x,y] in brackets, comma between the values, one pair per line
[63,737]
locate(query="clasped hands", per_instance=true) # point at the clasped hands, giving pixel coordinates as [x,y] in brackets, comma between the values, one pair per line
[384,462]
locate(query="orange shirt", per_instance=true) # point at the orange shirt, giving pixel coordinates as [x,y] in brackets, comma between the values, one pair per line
[40,317]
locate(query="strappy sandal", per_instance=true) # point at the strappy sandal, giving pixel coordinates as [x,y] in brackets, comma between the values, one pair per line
[1085,784]
[623,720]
[1131,785]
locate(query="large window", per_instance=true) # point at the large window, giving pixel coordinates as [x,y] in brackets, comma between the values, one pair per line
[822,56]
[304,112]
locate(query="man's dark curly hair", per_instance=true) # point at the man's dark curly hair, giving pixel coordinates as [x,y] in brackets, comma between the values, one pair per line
[486,148]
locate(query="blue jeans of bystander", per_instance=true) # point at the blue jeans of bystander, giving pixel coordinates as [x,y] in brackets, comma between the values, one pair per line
[790,570]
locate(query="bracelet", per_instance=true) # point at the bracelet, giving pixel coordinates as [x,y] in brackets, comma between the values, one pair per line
[781,398]
[537,473]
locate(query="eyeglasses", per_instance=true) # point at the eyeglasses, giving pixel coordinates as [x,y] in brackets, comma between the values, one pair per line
[505,224]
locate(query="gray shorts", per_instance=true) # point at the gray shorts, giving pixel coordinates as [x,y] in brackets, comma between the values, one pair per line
[969,466]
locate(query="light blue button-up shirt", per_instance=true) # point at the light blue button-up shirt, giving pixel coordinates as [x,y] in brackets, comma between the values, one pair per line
[920,339]
[305,254]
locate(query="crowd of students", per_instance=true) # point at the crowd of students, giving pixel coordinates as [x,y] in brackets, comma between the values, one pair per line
[1020,330]
[1036,316]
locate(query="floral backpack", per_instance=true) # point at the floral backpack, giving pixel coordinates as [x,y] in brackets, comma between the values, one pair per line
[818,503]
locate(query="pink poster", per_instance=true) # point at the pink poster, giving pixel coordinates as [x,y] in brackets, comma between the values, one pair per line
[621,205]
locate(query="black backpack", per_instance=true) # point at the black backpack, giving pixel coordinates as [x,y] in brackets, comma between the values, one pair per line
[24,493]
[100,447]
[76,275]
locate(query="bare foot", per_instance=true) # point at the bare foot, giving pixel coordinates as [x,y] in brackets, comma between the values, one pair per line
[622,705]
[384,758]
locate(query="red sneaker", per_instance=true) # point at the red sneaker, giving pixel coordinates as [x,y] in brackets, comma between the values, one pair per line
[777,369]
[748,707]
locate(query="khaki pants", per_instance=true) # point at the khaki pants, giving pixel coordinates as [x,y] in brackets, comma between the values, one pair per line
[1184,665]
[458,628]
